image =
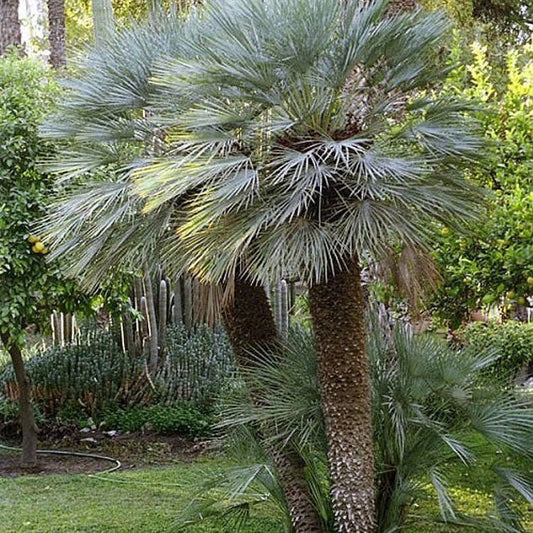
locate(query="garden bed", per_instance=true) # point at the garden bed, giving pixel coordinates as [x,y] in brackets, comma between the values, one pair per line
[10,466]
[131,449]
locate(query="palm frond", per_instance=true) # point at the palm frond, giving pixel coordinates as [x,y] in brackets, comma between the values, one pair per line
[226,498]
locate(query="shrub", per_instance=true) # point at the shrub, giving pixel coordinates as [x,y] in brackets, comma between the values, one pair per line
[9,410]
[512,341]
[183,419]
[91,373]
[10,416]
[95,376]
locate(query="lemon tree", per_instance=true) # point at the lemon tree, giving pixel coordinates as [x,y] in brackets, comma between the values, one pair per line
[29,286]
[494,266]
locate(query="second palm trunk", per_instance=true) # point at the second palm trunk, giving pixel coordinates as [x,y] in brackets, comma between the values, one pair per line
[338,313]
[250,324]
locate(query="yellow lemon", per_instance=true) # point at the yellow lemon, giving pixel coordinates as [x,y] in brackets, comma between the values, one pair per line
[33,239]
[445,231]
[38,247]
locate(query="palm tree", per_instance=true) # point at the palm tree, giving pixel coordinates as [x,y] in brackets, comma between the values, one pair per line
[309,134]
[288,135]
[98,224]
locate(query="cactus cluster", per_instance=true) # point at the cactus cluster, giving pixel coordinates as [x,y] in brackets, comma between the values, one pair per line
[157,302]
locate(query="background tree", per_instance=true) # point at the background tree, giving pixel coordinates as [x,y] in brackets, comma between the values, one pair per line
[57,33]
[492,266]
[9,24]
[506,18]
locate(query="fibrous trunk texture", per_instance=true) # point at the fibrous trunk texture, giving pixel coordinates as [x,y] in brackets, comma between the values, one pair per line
[396,6]
[337,311]
[56,33]
[291,471]
[401,6]
[27,417]
[248,320]
[250,324]
[9,24]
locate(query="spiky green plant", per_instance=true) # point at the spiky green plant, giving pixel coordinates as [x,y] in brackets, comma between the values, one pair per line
[428,402]
[433,410]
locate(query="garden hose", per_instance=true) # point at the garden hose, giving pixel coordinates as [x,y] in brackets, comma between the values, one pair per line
[118,464]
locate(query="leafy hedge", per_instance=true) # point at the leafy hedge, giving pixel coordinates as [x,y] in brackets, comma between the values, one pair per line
[512,340]
[182,418]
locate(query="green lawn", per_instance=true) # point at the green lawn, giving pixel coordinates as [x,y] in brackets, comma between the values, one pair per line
[147,501]
[141,501]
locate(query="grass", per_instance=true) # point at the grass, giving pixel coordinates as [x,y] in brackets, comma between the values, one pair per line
[144,501]
[148,500]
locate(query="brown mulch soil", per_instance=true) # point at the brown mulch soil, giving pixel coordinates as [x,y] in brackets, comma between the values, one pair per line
[131,449]
[49,464]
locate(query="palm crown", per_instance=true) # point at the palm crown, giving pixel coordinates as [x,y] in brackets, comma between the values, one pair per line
[292,133]
[307,133]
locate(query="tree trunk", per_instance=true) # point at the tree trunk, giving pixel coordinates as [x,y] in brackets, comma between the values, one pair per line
[401,6]
[396,6]
[27,417]
[337,311]
[56,33]
[249,322]
[9,24]
[103,20]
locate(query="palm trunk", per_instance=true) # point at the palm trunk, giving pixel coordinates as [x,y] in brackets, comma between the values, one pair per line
[56,32]
[389,513]
[249,322]
[9,24]
[401,6]
[27,417]
[337,311]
